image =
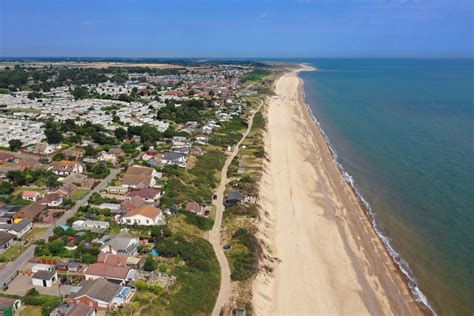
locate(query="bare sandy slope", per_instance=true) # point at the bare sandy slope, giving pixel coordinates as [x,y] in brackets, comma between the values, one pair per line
[329,261]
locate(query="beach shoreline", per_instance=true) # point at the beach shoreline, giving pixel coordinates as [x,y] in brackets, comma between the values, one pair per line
[323,254]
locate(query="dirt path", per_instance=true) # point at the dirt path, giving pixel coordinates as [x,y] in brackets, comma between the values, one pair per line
[225,291]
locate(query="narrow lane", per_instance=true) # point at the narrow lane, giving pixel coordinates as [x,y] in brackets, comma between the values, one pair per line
[225,291]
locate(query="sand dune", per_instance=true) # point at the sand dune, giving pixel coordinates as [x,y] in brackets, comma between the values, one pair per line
[328,260]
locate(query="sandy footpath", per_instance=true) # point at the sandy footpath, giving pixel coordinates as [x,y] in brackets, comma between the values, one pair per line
[327,260]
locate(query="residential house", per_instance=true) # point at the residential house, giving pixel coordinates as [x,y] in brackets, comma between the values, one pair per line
[18,228]
[66,190]
[150,195]
[95,226]
[104,156]
[233,198]
[75,153]
[31,196]
[174,159]
[79,309]
[196,208]
[52,200]
[6,239]
[113,273]
[132,202]
[101,295]
[79,180]
[44,278]
[122,243]
[117,190]
[138,177]
[66,167]
[147,215]
[32,211]
[111,259]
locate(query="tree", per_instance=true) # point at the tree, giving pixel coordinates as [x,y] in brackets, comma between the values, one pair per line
[15,144]
[120,133]
[150,264]
[16,177]
[6,188]
[51,181]
[53,135]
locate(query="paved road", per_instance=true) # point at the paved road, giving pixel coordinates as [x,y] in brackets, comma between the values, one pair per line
[225,291]
[11,269]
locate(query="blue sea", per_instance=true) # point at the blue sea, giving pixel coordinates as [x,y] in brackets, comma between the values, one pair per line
[403,131]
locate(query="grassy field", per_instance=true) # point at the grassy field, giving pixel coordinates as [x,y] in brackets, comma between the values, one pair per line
[79,194]
[29,310]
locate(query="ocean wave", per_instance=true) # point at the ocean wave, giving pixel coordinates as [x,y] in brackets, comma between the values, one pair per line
[402,264]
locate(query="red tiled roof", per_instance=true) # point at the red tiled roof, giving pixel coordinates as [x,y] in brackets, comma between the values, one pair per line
[146,193]
[107,271]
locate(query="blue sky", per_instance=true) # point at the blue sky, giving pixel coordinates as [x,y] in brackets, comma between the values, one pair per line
[233,28]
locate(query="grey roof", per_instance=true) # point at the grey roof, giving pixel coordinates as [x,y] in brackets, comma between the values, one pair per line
[171,156]
[119,241]
[44,275]
[21,225]
[99,289]
[5,237]
[234,195]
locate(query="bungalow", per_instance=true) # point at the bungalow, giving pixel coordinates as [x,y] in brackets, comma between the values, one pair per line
[150,195]
[31,196]
[96,226]
[110,272]
[6,239]
[66,167]
[32,211]
[104,156]
[19,229]
[138,177]
[111,259]
[132,202]
[101,295]
[147,215]
[75,153]
[77,179]
[44,278]
[117,190]
[122,243]
[66,190]
[174,159]
[233,198]
[79,309]
[195,208]
[52,200]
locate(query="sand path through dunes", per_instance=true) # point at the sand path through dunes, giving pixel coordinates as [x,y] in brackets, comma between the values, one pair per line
[329,261]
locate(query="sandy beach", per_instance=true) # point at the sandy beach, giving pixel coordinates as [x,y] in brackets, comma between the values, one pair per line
[326,259]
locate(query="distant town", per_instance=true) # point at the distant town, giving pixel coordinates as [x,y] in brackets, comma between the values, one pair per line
[114,179]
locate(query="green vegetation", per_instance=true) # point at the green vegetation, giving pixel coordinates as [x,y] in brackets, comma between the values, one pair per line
[199,221]
[244,255]
[256,74]
[195,185]
[47,302]
[229,134]
[192,110]
[150,264]
[98,170]
[197,281]
[15,144]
